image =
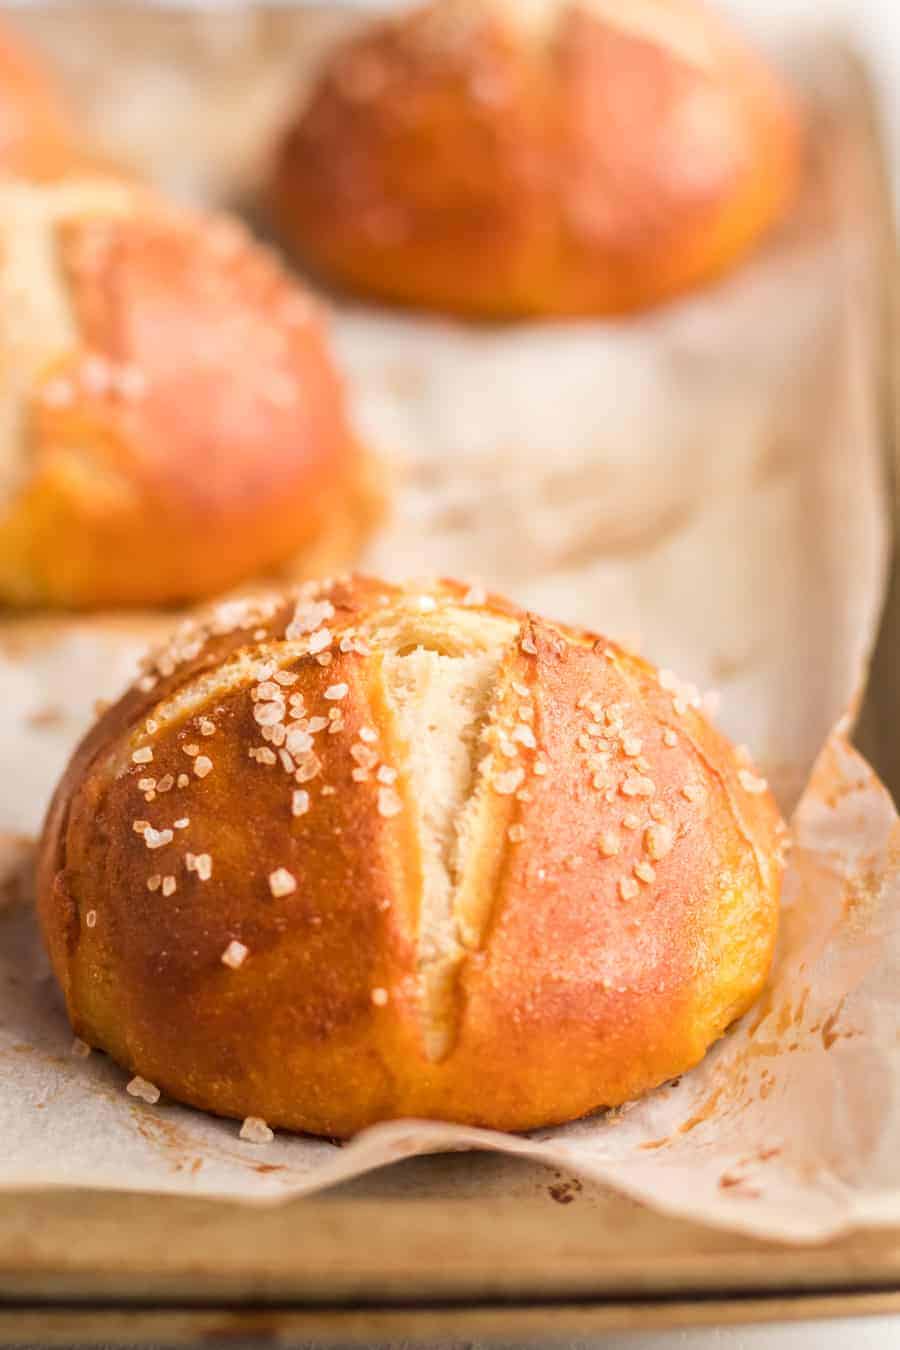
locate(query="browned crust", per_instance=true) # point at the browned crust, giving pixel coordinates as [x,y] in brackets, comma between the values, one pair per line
[578,990]
[445,161]
[202,436]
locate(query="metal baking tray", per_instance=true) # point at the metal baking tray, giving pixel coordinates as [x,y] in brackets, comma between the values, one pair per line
[437,1248]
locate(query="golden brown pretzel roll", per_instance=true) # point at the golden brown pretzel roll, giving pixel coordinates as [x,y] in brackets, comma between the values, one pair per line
[369,852]
[35,126]
[504,158]
[170,417]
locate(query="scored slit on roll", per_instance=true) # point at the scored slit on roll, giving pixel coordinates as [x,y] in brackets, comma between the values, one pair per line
[441,698]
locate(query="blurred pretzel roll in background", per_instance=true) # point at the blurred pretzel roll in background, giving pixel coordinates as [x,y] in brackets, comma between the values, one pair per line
[171,421]
[368,851]
[506,158]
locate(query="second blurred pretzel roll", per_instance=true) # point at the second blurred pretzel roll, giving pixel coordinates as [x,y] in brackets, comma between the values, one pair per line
[507,158]
[171,421]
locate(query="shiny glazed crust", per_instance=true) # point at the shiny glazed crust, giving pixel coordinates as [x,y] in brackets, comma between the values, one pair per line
[471,159]
[171,420]
[614,863]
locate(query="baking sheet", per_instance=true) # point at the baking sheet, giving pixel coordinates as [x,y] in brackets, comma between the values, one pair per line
[706,482]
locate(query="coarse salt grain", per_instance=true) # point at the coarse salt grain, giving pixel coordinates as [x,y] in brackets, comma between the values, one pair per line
[669,738]
[299,802]
[505,784]
[235,954]
[267,714]
[631,821]
[154,882]
[308,766]
[203,866]
[80,1049]
[379,997]
[282,882]
[628,888]
[169,885]
[166,783]
[157,838]
[337,691]
[142,756]
[367,734]
[386,774]
[609,844]
[202,766]
[183,780]
[635,785]
[207,728]
[751,783]
[146,1092]
[631,746]
[658,841]
[516,833]
[183,823]
[540,767]
[389,802]
[644,872]
[365,758]
[255,1131]
[191,749]
[319,640]
[90,918]
[525,736]
[527,645]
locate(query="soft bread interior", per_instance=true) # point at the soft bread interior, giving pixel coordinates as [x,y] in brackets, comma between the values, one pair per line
[37,323]
[441,696]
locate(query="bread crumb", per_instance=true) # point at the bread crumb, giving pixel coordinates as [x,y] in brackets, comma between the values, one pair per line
[146,1092]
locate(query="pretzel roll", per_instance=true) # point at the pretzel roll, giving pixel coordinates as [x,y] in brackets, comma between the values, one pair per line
[506,158]
[370,852]
[171,421]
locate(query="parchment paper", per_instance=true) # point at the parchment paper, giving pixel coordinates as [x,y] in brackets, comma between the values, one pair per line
[706,481]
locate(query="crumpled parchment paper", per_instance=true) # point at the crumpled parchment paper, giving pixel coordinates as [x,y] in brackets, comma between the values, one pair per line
[706,481]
